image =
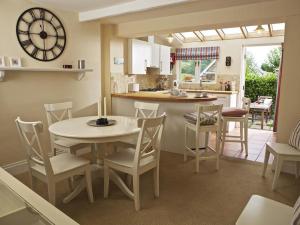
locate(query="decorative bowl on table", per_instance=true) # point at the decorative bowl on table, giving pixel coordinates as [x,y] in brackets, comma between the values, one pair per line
[101,122]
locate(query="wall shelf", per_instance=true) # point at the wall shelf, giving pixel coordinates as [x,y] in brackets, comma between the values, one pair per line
[80,72]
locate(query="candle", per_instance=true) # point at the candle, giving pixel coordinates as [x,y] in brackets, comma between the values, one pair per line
[99,107]
[104,105]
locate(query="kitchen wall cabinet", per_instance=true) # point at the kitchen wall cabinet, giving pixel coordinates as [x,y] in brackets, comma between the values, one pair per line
[139,57]
[144,54]
[164,66]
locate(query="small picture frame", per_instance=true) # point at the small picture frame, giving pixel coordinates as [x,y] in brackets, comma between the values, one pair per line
[2,61]
[15,62]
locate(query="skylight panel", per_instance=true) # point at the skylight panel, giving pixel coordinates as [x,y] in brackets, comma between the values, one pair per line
[233,30]
[278,26]
[209,32]
[188,34]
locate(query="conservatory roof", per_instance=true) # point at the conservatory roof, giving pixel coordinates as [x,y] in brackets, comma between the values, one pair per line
[242,32]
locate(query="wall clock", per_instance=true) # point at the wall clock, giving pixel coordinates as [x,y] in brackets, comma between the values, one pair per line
[41,34]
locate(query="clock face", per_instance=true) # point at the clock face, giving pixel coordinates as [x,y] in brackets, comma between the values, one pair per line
[41,34]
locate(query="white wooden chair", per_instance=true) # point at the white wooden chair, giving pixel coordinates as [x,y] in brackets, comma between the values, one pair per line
[282,152]
[239,116]
[142,110]
[50,169]
[137,161]
[145,109]
[264,211]
[57,112]
[208,120]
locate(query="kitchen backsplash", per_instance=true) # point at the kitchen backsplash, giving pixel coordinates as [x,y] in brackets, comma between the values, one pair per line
[119,82]
[216,86]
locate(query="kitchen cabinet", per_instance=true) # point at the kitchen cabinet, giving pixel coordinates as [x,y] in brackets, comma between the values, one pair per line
[142,54]
[139,57]
[164,66]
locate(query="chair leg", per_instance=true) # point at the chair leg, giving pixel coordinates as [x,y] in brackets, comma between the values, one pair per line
[136,191]
[279,162]
[156,181]
[51,192]
[266,160]
[30,179]
[71,183]
[185,143]
[197,152]
[218,149]
[89,187]
[106,181]
[246,135]
[206,140]
[241,135]
[223,134]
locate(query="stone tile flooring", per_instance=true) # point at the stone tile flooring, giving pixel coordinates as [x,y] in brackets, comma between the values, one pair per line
[257,140]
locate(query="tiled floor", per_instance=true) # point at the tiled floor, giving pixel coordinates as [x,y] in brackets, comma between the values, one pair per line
[256,145]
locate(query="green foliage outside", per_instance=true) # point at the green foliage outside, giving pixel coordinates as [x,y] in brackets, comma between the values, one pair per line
[188,67]
[272,63]
[257,84]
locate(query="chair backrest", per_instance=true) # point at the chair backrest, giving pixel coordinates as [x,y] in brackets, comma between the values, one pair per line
[58,112]
[246,103]
[145,109]
[100,103]
[29,133]
[149,139]
[208,114]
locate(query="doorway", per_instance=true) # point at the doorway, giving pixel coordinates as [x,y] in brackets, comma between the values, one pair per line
[260,82]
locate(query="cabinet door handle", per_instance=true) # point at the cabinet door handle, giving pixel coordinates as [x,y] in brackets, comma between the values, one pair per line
[160,66]
[145,64]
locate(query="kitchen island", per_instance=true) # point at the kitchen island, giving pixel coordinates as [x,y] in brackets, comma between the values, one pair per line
[174,106]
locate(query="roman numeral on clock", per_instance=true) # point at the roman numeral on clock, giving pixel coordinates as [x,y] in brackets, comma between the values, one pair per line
[32,14]
[24,32]
[26,43]
[42,14]
[34,52]
[59,46]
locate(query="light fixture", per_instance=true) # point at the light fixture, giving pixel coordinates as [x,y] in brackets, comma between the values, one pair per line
[170,38]
[259,29]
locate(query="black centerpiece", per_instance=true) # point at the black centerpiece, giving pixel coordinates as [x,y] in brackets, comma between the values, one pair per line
[102,121]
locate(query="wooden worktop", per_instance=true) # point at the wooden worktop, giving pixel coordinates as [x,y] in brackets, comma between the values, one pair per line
[163,96]
[211,91]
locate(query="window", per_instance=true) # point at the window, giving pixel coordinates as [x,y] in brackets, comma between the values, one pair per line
[194,70]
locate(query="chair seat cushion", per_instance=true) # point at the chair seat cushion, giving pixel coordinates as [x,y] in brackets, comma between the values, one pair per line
[62,163]
[234,112]
[125,157]
[295,137]
[192,118]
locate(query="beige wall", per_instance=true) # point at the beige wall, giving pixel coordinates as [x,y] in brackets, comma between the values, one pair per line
[289,108]
[24,93]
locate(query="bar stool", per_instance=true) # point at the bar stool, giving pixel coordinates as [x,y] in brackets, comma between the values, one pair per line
[206,119]
[239,115]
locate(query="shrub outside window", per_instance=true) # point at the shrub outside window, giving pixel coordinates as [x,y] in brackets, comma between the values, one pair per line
[196,70]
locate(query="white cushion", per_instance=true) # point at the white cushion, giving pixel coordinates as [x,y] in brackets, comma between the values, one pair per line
[295,137]
[264,211]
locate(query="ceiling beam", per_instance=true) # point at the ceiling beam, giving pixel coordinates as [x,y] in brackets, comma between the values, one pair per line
[177,38]
[243,32]
[270,30]
[219,34]
[198,36]
[128,7]
[203,37]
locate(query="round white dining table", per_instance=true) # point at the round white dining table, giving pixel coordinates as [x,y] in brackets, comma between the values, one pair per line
[78,130]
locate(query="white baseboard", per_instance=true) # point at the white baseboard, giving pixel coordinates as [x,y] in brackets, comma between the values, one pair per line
[16,167]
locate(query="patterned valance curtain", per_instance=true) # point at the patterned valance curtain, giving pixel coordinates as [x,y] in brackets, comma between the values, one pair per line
[197,53]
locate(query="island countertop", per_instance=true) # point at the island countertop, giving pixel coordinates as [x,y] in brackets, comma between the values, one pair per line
[163,96]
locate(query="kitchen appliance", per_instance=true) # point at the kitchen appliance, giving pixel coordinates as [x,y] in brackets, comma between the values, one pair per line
[133,87]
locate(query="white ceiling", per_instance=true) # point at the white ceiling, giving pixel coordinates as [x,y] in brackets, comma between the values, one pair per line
[81,5]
